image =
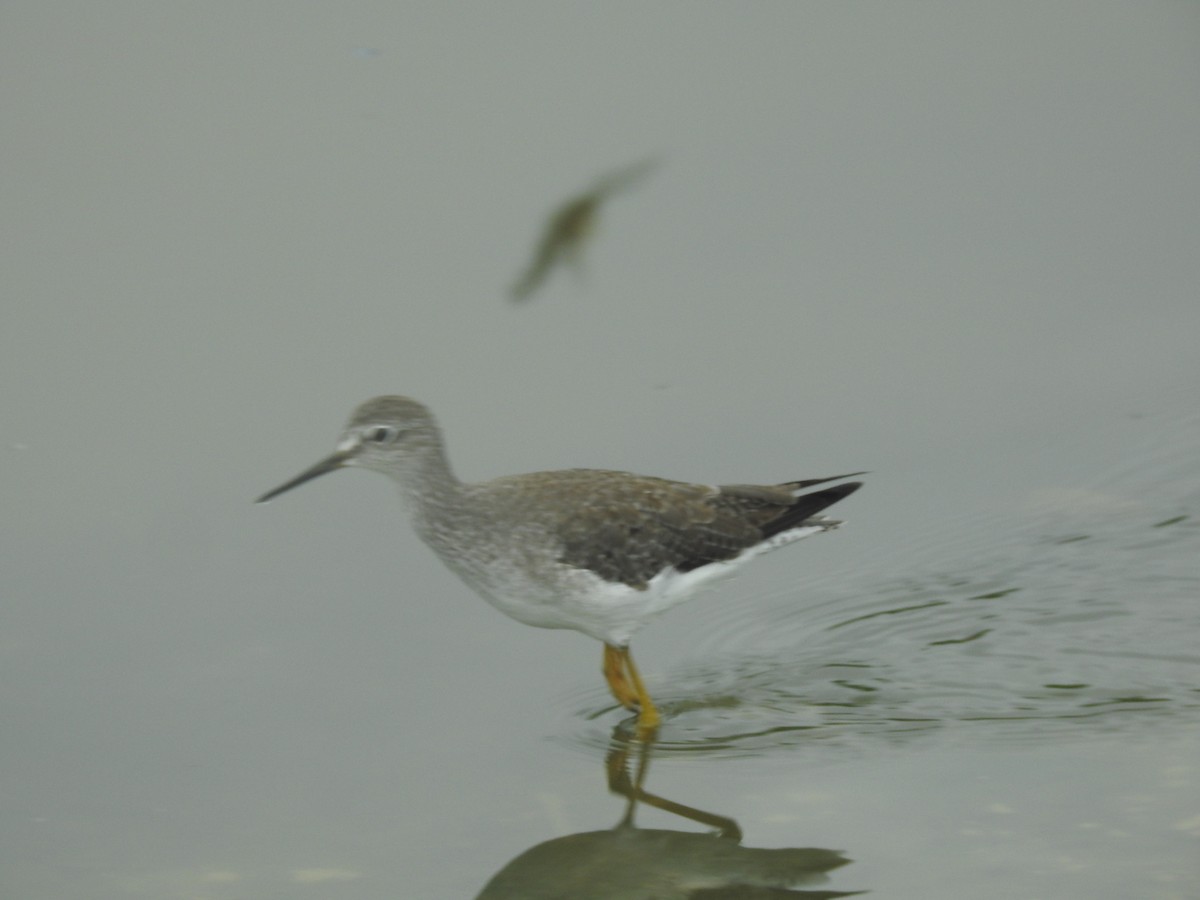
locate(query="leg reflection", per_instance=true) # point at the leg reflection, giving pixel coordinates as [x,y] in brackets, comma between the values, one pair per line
[616,764]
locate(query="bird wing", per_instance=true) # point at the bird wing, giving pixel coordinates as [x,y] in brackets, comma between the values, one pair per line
[630,530]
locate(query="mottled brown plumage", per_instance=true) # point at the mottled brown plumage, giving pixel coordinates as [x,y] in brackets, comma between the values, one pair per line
[630,528]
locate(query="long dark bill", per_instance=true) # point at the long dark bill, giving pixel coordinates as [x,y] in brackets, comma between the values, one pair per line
[329,464]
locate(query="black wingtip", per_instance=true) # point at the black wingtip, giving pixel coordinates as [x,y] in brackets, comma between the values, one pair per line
[809,505]
[809,482]
[832,495]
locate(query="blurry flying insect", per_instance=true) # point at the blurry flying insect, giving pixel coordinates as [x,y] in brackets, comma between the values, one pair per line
[570,226]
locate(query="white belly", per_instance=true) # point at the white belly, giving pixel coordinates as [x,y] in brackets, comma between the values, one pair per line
[582,601]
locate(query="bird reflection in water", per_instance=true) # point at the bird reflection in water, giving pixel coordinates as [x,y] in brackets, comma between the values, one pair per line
[634,863]
[570,226]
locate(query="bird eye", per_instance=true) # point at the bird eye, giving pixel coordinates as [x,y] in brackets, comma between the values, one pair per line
[382,434]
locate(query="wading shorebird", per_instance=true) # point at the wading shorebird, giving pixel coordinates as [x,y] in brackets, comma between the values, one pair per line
[592,550]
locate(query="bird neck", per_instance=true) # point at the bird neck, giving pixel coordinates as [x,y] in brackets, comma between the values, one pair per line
[427,483]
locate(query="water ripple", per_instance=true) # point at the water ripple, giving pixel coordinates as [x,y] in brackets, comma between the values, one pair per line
[1084,618]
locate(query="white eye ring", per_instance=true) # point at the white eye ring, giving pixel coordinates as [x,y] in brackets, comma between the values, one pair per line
[380,434]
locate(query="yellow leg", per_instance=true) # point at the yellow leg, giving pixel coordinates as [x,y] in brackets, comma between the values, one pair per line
[626,685]
[648,717]
[618,683]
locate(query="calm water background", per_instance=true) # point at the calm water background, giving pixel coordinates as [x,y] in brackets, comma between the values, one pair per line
[951,243]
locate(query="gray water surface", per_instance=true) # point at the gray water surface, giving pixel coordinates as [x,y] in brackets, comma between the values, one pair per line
[949,243]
